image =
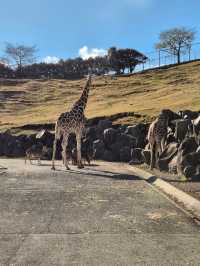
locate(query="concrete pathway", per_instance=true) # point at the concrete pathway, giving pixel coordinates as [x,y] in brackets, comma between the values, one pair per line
[101,215]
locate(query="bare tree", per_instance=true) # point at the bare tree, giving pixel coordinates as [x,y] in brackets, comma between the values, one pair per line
[176,41]
[21,55]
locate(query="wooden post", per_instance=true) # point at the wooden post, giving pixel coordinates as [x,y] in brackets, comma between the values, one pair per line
[159,57]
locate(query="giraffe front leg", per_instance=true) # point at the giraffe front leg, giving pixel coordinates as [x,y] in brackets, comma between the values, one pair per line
[54,154]
[64,146]
[79,161]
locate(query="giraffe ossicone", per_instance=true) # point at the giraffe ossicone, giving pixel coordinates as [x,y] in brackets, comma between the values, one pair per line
[72,122]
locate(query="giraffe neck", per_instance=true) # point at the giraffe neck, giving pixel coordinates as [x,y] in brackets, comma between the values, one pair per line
[82,102]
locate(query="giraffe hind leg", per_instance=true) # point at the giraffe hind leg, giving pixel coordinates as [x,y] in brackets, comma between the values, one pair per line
[64,146]
[54,153]
[79,161]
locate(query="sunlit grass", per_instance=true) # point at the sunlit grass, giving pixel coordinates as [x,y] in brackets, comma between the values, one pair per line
[35,101]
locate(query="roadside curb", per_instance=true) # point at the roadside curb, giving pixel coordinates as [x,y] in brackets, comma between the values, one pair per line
[191,204]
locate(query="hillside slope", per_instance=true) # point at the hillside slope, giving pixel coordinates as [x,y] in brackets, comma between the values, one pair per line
[35,101]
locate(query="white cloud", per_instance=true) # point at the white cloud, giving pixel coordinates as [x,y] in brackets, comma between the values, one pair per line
[86,53]
[50,59]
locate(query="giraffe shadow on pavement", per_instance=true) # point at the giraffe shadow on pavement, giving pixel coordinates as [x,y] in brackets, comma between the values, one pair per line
[100,173]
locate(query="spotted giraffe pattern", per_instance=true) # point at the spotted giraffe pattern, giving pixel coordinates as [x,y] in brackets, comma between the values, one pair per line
[157,135]
[72,122]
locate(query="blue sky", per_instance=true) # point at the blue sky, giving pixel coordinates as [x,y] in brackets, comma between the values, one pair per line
[60,28]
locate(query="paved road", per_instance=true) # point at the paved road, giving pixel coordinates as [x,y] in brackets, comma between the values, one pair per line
[96,216]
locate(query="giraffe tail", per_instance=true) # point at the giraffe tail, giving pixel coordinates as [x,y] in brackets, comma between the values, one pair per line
[57,137]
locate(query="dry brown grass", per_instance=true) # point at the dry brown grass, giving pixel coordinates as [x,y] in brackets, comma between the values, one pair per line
[36,101]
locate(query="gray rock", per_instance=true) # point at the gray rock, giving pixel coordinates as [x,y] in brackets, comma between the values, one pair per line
[103,124]
[181,129]
[125,154]
[98,148]
[126,140]
[45,137]
[139,132]
[190,163]
[108,156]
[167,155]
[147,156]
[90,133]
[136,156]
[109,136]
[173,166]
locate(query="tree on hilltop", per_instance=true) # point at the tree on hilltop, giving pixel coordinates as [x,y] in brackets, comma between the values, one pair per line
[121,59]
[20,55]
[176,41]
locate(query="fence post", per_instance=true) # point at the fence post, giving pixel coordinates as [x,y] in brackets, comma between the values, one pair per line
[159,57]
[189,53]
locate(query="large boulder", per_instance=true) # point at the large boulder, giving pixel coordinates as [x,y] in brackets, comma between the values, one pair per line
[188,158]
[197,125]
[122,128]
[6,140]
[136,156]
[87,149]
[115,148]
[182,127]
[125,154]
[147,156]
[139,132]
[109,156]
[166,156]
[102,125]
[189,114]
[98,149]
[190,164]
[188,145]
[125,140]
[173,166]
[170,138]
[45,137]
[18,149]
[90,133]
[31,140]
[109,136]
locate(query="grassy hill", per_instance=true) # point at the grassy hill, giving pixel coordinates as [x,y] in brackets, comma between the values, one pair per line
[36,101]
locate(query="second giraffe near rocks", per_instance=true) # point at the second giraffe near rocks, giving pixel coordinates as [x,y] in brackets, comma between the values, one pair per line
[72,122]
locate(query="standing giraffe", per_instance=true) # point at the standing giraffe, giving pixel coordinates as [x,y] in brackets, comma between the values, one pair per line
[72,122]
[157,135]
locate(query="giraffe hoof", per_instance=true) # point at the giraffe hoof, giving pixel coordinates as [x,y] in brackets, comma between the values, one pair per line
[80,166]
[53,168]
[67,168]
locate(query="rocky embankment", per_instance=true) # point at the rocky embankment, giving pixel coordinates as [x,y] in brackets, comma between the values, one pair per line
[105,141]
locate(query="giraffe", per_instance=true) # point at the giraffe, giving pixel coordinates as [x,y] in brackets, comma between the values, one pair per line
[72,122]
[157,135]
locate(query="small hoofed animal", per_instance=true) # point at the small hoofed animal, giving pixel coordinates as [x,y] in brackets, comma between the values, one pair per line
[35,152]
